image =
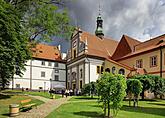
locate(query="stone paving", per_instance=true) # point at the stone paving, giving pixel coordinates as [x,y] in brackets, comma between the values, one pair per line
[43,110]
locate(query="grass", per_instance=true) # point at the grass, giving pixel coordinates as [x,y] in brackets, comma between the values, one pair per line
[34,93]
[6,100]
[91,109]
[78,98]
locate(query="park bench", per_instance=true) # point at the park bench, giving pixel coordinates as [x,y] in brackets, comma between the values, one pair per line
[27,105]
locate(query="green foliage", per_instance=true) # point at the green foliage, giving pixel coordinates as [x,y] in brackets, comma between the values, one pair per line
[134,87]
[111,88]
[14,50]
[157,85]
[146,82]
[89,89]
[43,19]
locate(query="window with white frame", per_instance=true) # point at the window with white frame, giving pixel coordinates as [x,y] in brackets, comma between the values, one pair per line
[139,63]
[56,78]
[42,74]
[56,64]
[50,64]
[43,63]
[153,61]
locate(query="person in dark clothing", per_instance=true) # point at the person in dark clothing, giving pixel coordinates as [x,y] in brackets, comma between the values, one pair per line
[63,92]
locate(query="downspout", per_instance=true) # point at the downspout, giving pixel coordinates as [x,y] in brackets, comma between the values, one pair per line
[161,61]
[30,74]
[66,76]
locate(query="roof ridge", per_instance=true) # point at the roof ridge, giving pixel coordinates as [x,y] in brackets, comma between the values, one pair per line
[163,35]
[130,38]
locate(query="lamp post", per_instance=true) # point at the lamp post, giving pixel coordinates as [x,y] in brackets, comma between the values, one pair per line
[44,86]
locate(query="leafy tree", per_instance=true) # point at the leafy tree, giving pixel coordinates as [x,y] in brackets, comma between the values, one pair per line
[43,19]
[111,89]
[14,49]
[89,89]
[146,82]
[134,87]
[157,85]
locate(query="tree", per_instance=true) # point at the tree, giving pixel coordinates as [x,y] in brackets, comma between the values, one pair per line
[146,82]
[14,49]
[157,85]
[43,19]
[89,89]
[111,88]
[134,87]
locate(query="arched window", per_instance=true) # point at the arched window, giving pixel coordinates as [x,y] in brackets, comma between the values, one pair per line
[113,70]
[122,71]
[107,70]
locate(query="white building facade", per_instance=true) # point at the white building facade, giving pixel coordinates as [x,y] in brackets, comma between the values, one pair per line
[41,74]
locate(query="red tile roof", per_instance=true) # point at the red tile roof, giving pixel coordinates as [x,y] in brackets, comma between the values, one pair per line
[47,52]
[125,46]
[99,47]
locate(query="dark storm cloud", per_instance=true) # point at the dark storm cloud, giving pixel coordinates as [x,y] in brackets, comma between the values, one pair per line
[137,18]
[141,19]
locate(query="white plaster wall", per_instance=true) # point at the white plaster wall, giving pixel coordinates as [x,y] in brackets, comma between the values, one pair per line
[93,69]
[40,83]
[25,83]
[37,80]
[86,73]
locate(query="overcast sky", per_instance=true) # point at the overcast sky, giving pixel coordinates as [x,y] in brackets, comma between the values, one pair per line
[140,19]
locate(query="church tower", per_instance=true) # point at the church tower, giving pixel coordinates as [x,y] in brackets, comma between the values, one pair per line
[99,28]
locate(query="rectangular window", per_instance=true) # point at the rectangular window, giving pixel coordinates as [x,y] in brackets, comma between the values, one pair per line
[43,63]
[80,84]
[56,71]
[139,63]
[98,69]
[17,85]
[50,64]
[74,54]
[56,64]
[102,69]
[81,73]
[153,61]
[56,78]
[42,74]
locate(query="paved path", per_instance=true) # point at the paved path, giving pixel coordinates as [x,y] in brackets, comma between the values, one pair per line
[41,98]
[43,110]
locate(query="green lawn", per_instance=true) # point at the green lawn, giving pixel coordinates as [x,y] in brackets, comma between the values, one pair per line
[6,100]
[76,108]
[35,93]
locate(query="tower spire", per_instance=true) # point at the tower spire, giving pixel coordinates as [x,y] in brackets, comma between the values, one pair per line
[99,28]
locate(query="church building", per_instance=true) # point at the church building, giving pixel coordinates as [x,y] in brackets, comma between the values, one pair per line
[90,55]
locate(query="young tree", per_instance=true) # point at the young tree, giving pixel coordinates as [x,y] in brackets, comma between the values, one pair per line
[89,89]
[157,85]
[146,83]
[111,88]
[134,87]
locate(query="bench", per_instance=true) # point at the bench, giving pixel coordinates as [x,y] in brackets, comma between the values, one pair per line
[25,104]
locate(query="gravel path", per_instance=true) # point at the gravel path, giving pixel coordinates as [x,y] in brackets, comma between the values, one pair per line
[43,110]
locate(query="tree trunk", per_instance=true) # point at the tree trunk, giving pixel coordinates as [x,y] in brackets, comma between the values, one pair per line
[143,95]
[134,101]
[129,101]
[108,109]
[105,108]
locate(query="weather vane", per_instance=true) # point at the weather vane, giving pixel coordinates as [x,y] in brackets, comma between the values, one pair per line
[99,8]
